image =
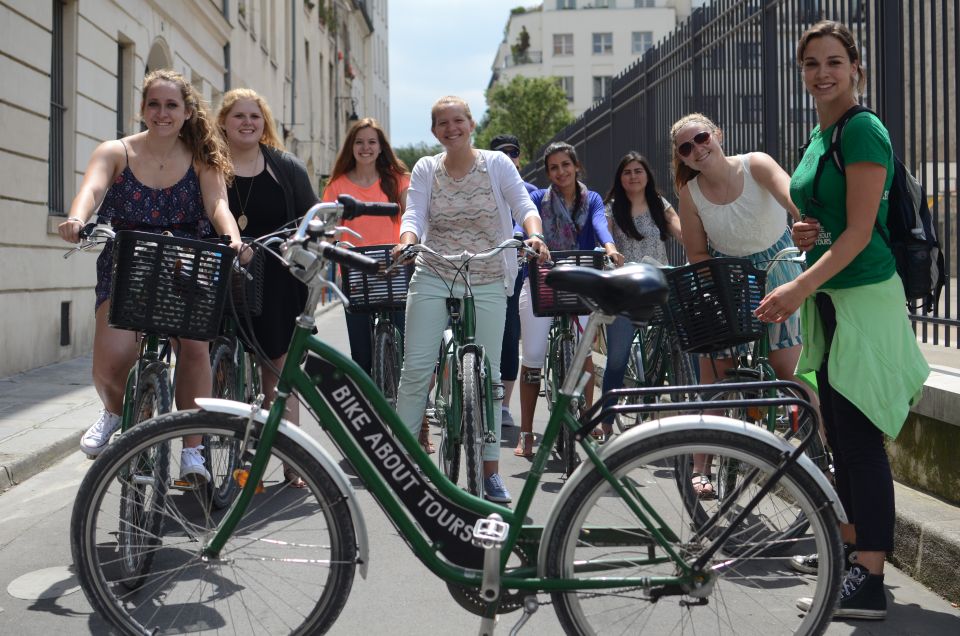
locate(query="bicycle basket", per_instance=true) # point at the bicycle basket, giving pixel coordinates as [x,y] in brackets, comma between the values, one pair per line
[711,303]
[168,285]
[246,293]
[373,292]
[549,302]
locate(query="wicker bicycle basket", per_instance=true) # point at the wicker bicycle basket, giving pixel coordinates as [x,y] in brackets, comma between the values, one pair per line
[168,285]
[550,302]
[247,293]
[710,304]
[374,292]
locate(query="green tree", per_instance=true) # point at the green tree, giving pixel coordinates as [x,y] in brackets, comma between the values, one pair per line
[532,108]
[410,153]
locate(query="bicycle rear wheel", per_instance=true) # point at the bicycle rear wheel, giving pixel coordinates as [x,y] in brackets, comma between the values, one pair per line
[386,360]
[287,568]
[222,455]
[142,493]
[597,536]
[474,424]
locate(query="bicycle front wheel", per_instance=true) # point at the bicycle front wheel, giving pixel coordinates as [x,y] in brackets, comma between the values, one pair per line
[386,361]
[474,424]
[566,443]
[286,569]
[597,536]
[222,455]
[143,491]
[450,433]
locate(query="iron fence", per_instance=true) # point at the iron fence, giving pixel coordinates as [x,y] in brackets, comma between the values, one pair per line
[735,61]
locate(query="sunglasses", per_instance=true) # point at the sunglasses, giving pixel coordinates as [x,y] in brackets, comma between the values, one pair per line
[686,147]
[513,153]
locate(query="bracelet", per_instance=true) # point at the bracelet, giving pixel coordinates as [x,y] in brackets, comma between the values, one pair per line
[73,218]
[539,236]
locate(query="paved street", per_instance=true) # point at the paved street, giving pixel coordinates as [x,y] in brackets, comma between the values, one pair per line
[39,595]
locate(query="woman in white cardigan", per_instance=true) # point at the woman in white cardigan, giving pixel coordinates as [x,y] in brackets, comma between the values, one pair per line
[461,199]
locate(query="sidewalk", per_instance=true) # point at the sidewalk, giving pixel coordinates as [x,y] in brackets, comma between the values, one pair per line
[44,412]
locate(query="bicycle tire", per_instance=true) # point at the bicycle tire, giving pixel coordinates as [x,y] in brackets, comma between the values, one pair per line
[728,474]
[386,361]
[751,593]
[646,367]
[287,568]
[142,497]
[222,456]
[567,444]
[448,453]
[474,425]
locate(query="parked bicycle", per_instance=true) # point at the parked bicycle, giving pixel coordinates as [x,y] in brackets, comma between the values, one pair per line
[163,287]
[617,548]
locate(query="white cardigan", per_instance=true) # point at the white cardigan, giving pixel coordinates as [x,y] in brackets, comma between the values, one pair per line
[508,191]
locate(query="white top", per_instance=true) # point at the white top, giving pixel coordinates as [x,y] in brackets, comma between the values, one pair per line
[508,191]
[751,223]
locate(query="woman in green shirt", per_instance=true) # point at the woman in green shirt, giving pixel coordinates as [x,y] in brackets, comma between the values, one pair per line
[856,335]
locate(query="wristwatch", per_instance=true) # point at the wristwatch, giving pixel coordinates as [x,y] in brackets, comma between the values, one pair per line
[539,236]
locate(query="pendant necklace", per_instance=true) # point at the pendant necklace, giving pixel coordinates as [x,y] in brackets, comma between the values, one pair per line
[242,219]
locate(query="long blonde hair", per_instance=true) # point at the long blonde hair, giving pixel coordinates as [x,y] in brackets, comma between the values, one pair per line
[388,165]
[270,136]
[682,173]
[206,146]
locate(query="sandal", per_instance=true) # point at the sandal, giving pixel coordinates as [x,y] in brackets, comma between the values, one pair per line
[292,478]
[703,486]
[602,433]
[424,439]
[520,450]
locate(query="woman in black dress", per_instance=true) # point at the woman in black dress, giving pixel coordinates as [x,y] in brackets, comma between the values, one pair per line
[270,188]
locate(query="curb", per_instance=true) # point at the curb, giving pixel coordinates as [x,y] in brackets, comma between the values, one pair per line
[23,468]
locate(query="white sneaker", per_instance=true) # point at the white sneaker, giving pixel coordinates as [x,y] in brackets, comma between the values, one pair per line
[98,436]
[191,463]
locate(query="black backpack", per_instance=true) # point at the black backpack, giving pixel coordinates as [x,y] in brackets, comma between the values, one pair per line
[909,231]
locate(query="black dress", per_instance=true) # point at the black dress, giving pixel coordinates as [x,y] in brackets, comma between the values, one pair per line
[261,199]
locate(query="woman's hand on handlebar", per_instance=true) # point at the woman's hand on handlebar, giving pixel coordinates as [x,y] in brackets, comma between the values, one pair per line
[407,238]
[615,257]
[69,230]
[537,245]
[244,251]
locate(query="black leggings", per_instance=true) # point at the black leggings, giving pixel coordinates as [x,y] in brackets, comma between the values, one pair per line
[863,478]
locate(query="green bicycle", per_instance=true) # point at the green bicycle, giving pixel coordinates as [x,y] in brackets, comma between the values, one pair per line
[617,549]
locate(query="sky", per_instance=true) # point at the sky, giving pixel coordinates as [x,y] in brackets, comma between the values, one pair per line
[437,48]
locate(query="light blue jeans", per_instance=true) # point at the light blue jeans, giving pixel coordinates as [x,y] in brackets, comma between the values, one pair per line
[426,320]
[619,339]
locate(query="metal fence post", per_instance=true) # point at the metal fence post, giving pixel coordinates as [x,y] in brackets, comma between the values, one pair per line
[892,77]
[770,77]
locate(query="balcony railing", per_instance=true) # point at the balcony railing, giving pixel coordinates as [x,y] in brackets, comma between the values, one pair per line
[530,57]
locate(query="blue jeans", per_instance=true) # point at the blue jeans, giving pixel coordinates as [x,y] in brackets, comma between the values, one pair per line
[619,338]
[359,330]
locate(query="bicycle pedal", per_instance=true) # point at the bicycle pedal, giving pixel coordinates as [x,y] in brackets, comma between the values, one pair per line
[185,485]
[490,532]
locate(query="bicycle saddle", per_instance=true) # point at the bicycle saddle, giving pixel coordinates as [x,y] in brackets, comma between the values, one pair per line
[633,291]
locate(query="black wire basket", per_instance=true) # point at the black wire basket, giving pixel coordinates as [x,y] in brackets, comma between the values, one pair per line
[711,303]
[246,293]
[550,302]
[374,292]
[168,285]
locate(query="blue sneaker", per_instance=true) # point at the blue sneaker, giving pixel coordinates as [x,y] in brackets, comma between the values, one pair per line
[507,418]
[494,490]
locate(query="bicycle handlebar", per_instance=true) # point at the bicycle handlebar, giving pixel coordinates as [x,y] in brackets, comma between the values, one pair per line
[353,208]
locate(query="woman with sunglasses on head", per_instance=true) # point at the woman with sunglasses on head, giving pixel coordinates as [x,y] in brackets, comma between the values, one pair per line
[573,219]
[640,221]
[734,206]
[857,335]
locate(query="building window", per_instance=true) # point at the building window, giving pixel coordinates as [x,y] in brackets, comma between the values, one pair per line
[749,54]
[563,43]
[640,41]
[566,4]
[124,84]
[55,167]
[602,4]
[603,43]
[566,83]
[644,4]
[601,87]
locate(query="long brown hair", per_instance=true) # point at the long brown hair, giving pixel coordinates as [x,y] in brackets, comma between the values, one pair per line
[201,137]
[844,36]
[622,207]
[571,152]
[682,173]
[270,136]
[389,165]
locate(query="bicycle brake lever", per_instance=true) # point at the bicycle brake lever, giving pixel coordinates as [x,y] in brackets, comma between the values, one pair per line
[337,291]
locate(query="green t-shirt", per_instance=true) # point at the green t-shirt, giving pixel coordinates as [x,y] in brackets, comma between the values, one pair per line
[864,139]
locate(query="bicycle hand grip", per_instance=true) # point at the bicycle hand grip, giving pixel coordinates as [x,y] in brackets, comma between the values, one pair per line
[350,259]
[353,208]
[86,230]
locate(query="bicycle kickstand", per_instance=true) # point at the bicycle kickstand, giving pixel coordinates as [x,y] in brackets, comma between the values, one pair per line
[489,534]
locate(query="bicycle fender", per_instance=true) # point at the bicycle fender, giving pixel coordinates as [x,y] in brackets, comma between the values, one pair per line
[319,453]
[682,423]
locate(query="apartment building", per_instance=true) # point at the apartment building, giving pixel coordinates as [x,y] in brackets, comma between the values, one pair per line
[72,73]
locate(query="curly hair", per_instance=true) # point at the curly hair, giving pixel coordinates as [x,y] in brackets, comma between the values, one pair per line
[620,203]
[682,173]
[201,136]
[388,165]
[270,137]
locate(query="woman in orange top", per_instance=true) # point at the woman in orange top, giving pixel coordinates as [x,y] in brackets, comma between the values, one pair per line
[368,170]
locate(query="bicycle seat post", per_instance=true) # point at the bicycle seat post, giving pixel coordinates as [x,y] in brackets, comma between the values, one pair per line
[489,534]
